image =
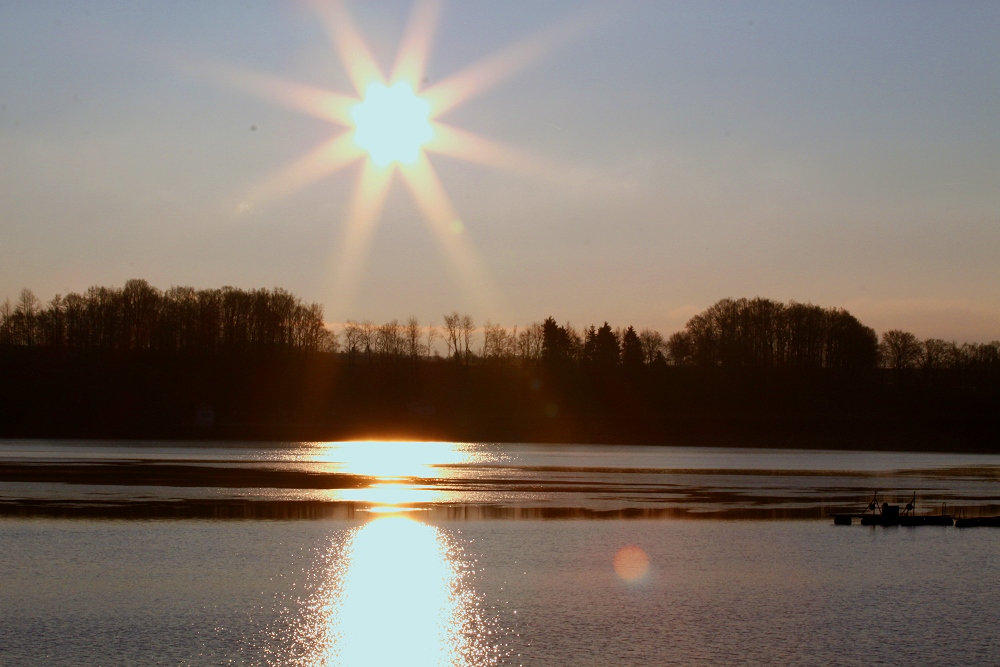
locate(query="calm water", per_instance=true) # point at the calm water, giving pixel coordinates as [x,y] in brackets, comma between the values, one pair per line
[389,587]
[475,479]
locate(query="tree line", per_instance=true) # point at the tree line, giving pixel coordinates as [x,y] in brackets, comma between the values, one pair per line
[139,317]
[754,333]
[761,333]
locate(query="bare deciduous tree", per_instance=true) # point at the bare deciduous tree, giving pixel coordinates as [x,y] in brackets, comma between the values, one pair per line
[141,317]
[529,342]
[467,327]
[26,316]
[412,335]
[935,354]
[452,330]
[899,349]
[498,342]
[431,335]
[389,343]
[652,345]
[329,341]
[680,349]
[352,338]
[367,329]
[6,323]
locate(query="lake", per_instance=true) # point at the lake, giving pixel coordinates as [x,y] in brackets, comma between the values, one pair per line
[487,554]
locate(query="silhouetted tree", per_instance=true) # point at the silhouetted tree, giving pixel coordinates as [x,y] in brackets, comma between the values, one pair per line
[466,329]
[849,343]
[681,349]
[140,317]
[452,334]
[530,342]
[25,319]
[899,349]
[412,336]
[652,346]
[498,343]
[761,333]
[352,339]
[556,344]
[7,323]
[601,347]
[632,356]
[367,331]
[389,342]
[432,334]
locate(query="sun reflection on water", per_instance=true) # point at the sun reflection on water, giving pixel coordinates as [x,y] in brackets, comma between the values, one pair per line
[395,470]
[400,598]
[395,459]
[393,496]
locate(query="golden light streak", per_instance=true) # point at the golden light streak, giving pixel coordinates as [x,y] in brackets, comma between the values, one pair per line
[321,103]
[354,54]
[471,147]
[449,228]
[329,157]
[366,208]
[411,61]
[490,71]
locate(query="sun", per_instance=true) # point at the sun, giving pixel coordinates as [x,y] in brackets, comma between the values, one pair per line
[391,124]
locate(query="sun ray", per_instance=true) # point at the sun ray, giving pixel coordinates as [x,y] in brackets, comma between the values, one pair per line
[471,147]
[358,60]
[319,102]
[449,228]
[488,72]
[411,60]
[366,207]
[327,158]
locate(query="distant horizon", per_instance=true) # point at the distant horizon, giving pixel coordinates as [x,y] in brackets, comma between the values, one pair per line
[676,317]
[481,323]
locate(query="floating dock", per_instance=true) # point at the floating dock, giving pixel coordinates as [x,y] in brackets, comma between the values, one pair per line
[991,521]
[884,514]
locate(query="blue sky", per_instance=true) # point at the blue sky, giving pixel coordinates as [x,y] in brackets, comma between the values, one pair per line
[844,153]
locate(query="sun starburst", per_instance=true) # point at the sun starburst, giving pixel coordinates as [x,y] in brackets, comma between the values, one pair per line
[391,123]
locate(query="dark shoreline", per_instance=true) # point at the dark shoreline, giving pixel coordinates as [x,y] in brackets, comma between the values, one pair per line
[109,395]
[923,436]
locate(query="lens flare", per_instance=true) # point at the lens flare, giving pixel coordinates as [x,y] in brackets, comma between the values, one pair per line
[631,563]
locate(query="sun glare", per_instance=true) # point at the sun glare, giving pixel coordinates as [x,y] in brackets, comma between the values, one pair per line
[399,470]
[392,123]
[392,459]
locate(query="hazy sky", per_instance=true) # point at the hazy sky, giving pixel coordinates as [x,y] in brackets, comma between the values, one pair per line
[840,153]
